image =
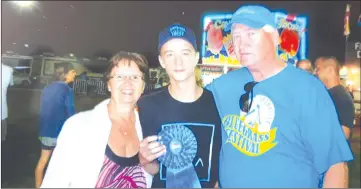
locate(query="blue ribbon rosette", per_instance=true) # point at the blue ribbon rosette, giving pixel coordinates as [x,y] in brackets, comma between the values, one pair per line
[181,147]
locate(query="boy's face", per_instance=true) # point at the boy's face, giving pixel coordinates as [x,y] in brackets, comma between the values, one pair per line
[179,58]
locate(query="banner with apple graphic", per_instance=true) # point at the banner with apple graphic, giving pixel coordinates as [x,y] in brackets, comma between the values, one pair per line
[293,37]
[217,47]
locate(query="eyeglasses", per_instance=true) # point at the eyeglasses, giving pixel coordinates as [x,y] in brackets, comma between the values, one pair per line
[132,78]
[243,101]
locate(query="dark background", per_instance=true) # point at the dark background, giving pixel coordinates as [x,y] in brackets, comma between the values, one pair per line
[87,28]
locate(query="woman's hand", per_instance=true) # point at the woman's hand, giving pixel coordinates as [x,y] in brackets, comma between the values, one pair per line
[150,149]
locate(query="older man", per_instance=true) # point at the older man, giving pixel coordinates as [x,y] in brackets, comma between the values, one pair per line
[280,127]
[328,71]
[305,65]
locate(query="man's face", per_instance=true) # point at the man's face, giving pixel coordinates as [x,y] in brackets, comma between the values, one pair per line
[70,76]
[321,70]
[179,58]
[251,45]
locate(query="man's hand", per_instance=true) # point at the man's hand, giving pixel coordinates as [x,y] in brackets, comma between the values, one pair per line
[216,185]
[150,149]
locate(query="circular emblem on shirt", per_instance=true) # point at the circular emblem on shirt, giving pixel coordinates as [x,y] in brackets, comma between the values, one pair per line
[261,113]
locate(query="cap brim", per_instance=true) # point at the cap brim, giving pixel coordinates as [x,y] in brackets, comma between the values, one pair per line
[247,22]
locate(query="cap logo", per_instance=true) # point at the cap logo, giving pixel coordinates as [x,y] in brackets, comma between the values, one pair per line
[177,31]
[246,11]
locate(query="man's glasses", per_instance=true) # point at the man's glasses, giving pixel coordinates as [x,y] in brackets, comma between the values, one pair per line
[132,78]
[243,101]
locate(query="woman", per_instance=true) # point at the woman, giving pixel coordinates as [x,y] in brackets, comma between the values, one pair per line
[99,148]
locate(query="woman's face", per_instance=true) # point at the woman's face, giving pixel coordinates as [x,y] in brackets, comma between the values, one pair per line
[126,82]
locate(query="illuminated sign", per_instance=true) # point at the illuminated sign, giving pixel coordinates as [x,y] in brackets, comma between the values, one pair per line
[210,72]
[217,46]
[293,38]
[358,49]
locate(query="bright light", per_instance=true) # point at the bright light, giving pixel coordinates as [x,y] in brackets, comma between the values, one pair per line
[343,71]
[349,82]
[24,4]
[26,45]
[354,71]
[71,54]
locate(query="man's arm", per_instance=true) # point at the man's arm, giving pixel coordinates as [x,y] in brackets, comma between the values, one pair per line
[346,114]
[323,137]
[216,185]
[336,176]
[69,103]
[346,132]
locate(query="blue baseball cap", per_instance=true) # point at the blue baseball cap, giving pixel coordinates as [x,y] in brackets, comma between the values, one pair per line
[177,31]
[253,16]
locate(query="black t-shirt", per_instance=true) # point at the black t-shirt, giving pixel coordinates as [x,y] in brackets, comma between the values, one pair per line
[344,105]
[159,108]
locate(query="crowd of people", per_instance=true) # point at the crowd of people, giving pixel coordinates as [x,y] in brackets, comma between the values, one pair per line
[268,124]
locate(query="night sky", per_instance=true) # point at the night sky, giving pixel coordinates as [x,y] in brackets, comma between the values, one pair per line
[83,28]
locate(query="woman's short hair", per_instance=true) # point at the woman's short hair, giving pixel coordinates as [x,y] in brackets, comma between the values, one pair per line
[137,58]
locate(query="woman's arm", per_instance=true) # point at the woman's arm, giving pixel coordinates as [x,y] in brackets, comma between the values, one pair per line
[152,168]
[150,150]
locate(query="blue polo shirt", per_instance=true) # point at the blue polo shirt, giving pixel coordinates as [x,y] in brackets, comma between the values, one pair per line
[56,106]
[288,139]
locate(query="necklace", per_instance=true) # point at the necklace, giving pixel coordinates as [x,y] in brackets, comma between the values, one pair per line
[129,122]
[132,121]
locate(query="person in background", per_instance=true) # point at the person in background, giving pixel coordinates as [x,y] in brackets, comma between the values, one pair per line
[191,147]
[83,76]
[280,126]
[6,81]
[305,65]
[328,71]
[56,106]
[99,148]
[198,74]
